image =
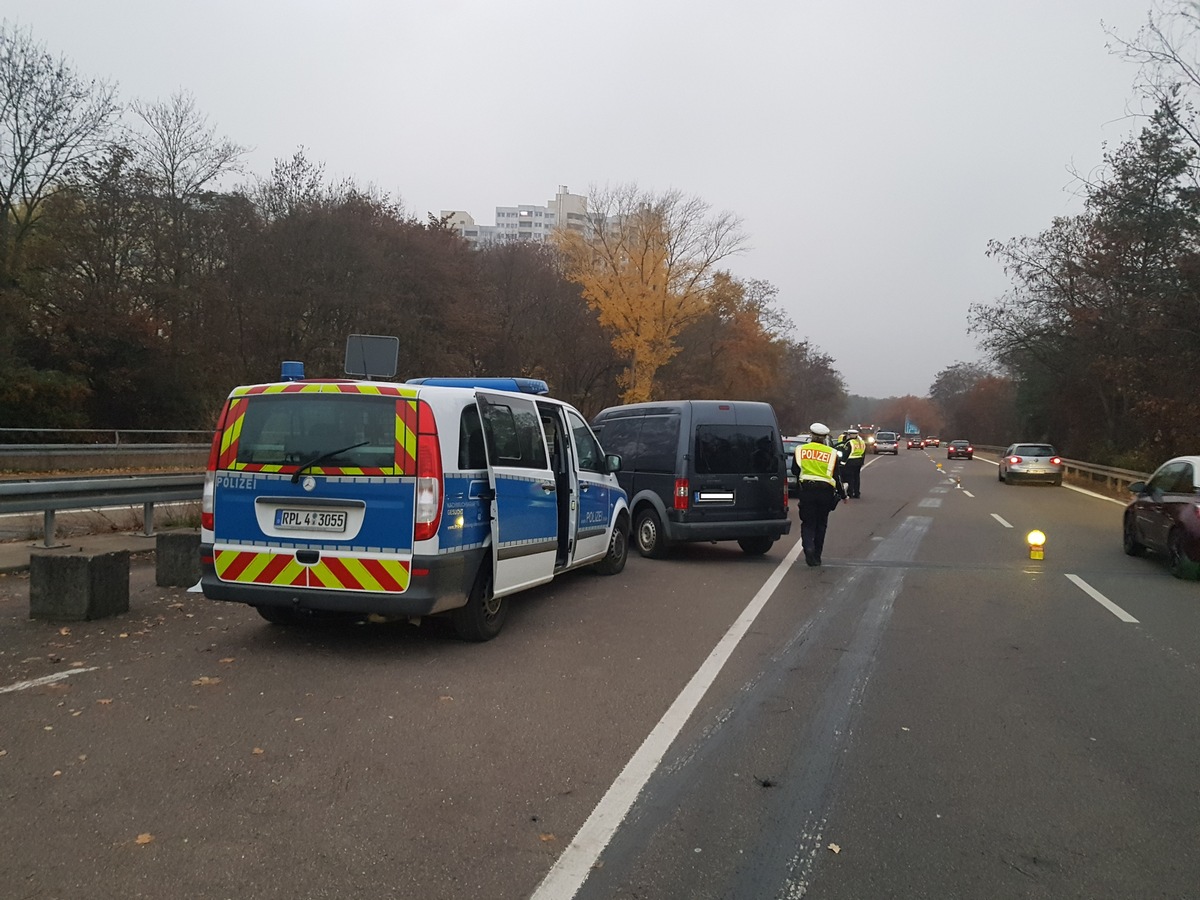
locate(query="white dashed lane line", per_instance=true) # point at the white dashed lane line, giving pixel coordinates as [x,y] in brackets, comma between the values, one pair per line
[1001,521]
[1101,599]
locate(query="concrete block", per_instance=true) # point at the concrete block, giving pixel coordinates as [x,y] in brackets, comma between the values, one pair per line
[177,558]
[75,586]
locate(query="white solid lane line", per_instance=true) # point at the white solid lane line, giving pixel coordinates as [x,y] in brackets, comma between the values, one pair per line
[1101,599]
[1001,521]
[45,679]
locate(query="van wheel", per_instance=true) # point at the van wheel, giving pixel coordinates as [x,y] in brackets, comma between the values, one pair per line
[281,615]
[1178,562]
[755,546]
[618,549]
[483,615]
[651,541]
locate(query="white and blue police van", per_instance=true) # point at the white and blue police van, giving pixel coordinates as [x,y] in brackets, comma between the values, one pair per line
[403,499]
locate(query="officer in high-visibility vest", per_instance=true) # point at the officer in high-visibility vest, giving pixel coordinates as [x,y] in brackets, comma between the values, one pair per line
[821,490]
[852,464]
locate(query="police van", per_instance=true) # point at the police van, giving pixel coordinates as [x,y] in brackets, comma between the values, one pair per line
[403,499]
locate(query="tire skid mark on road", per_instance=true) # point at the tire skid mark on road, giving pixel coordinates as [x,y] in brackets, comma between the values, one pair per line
[572,867]
[793,847]
[843,699]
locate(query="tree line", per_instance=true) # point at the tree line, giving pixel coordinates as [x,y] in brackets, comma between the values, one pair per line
[135,289]
[1095,344]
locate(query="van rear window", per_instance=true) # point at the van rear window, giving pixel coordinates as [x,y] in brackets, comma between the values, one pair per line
[737,450]
[292,429]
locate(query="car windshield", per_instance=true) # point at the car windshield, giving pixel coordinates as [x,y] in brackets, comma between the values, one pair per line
[1033,450]
[885,436]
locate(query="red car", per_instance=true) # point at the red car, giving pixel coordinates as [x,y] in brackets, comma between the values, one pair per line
[1165,516]
[960,449]
[915,443]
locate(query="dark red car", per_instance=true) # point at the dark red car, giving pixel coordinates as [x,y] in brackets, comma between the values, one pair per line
[960,450]
[1165,516]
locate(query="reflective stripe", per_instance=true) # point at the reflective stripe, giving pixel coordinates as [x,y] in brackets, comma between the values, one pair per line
[330,572]
[817,462]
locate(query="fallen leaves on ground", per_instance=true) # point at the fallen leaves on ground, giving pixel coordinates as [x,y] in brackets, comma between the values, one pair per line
[835,848]
[144,838]
[207,679]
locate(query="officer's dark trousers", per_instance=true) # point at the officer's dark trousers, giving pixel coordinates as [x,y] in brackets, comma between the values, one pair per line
[815,502]
[852,473]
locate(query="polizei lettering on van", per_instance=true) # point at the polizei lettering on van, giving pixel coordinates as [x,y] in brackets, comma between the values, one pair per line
[361,498]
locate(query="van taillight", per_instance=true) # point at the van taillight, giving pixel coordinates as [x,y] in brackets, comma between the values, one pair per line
[210,470]
[681,493]
[429,475]
[206,500]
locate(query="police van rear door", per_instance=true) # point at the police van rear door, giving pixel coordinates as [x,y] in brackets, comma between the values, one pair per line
[525,508]
[315,487]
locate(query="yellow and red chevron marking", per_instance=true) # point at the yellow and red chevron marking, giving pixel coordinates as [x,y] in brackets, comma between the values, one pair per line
[280,568]
[406,426]
[251,567]
[327,387]
[357,574]
[406,437]
[227,457]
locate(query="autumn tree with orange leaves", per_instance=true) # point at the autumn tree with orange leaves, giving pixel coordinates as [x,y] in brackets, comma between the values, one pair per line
[647,264]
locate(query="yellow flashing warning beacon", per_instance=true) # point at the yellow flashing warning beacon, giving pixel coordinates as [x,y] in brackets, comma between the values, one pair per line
[1037,544]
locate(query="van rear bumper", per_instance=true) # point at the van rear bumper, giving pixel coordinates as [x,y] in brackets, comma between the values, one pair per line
[726,531]
[438,583]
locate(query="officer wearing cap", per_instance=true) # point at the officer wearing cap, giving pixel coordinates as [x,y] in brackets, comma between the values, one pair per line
[819,468]
[852,462]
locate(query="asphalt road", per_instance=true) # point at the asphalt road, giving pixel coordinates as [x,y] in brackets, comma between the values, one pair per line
[929,714]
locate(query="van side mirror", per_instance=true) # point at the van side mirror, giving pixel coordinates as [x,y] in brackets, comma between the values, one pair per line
[1138,487]
[612,463]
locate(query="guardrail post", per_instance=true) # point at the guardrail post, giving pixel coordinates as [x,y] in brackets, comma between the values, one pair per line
[48,533]
[148,519]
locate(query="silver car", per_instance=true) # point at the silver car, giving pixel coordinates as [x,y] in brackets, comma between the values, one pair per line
[1031,462]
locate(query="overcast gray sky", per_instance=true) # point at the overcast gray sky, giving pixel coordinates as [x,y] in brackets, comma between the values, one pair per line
[872,148]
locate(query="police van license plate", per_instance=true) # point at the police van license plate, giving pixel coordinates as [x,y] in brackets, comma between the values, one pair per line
[310,520]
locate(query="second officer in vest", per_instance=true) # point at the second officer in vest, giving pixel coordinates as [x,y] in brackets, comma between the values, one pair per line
[852,464]
[821,490]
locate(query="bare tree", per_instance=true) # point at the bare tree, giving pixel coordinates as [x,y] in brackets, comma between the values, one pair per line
[1166,51]
[181,148]
[50,120]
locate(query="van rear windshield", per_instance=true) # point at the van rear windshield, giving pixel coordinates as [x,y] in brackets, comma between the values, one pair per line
[292,429]
[737,450]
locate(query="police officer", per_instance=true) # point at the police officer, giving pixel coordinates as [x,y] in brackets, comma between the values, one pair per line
[852,462]
[821,490]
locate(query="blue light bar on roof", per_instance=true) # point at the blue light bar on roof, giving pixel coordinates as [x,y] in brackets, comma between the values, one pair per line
[516,385]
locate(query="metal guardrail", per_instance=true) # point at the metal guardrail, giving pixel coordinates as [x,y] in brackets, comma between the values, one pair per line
[83,457]
[48,496]
[133,436]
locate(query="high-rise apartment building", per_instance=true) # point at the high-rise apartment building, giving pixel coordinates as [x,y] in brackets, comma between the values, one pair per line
[525,222]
